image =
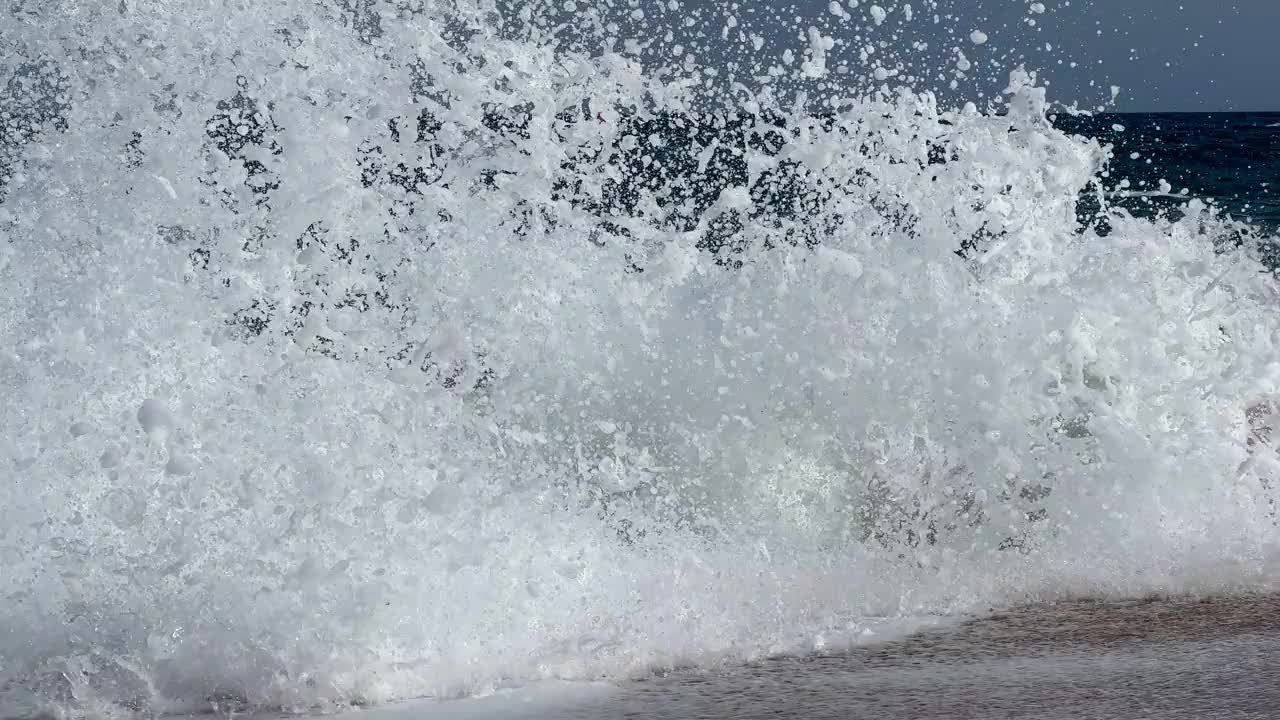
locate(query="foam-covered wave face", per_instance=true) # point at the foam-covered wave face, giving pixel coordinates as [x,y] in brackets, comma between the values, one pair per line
[359,352]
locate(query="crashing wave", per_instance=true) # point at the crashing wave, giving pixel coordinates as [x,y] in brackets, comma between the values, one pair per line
[359,355]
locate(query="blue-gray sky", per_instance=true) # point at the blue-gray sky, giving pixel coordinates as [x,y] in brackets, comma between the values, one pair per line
[1173,54]
[1170,55]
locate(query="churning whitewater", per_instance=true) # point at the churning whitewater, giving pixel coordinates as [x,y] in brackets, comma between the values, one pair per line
[362,351]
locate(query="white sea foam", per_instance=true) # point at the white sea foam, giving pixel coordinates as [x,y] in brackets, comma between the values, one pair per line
[291,422]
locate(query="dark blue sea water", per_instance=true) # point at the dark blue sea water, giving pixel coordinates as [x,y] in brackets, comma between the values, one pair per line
[1231,159]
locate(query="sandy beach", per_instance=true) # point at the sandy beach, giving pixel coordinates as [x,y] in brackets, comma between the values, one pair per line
[1157,658]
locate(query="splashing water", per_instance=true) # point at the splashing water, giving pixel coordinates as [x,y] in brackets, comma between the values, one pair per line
[362,351]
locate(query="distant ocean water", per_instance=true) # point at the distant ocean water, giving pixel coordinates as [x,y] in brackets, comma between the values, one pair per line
[1231,159]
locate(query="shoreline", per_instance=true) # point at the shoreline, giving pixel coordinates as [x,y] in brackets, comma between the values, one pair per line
[1171,658]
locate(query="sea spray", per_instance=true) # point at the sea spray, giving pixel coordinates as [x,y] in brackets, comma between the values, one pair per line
[354,355]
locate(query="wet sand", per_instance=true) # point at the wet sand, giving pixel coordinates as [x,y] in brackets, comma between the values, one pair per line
[1161,659]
